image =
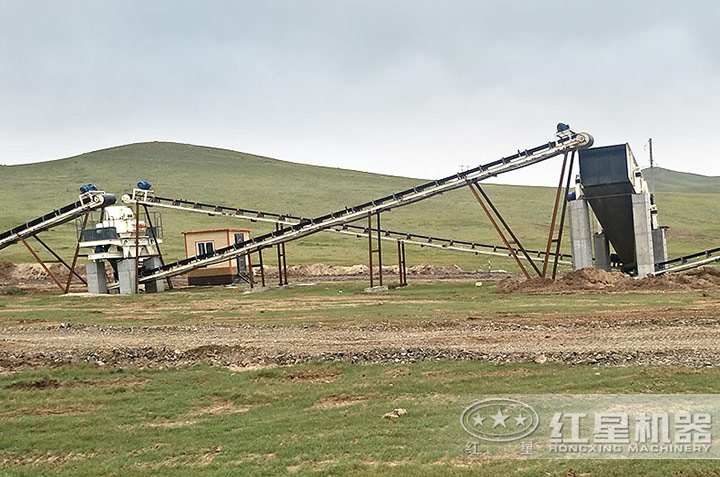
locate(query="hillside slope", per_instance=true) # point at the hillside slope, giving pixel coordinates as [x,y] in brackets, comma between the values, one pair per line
[245,180]
[673,181]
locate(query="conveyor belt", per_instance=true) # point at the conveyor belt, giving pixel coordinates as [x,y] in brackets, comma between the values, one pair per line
[566,141]
[359,231]
[688,261]
[87,202]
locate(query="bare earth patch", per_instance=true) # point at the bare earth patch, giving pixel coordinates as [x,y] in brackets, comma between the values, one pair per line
[9,459]
[48,382]
[219,405]
[310,376]
[48,411]
[339,400]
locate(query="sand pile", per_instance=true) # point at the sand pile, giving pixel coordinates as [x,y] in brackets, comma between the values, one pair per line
[427,269]
[593,280]
[6,270]
[14,274]
[322,270]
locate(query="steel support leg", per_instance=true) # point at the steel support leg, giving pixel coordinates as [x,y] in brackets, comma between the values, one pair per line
[402,266]
[282,262]
[497,229]
[551,234]
[71,271]
[262,268]
[377,250]
[507,227]
[75,255]
[251,274]
[39,260]
[157,244]
[562,216]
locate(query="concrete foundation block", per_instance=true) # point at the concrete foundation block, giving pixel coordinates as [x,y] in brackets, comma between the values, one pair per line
[376,289]
[644,252]
[256,290]
[659,240]
[155,286]
[580,238]
[602,252]
[126,276]
[96,278]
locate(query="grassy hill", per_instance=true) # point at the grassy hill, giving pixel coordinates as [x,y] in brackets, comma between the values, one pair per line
[246,180]
[673,181]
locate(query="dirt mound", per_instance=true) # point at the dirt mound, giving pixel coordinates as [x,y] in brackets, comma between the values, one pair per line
[427,269]
[322,270]
[20,273]
[7,270]
[593,280]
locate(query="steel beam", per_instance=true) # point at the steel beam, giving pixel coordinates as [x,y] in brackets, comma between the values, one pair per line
[500,232]
[40,261]
[507,227]
[551,234]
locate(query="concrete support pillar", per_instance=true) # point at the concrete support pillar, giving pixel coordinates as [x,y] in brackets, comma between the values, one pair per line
[644,255]
[580,240]
[659,244]
[155,286]
[126,276]
[96,278]
[602,252]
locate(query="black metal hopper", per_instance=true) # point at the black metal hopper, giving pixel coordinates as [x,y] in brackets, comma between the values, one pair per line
[606,174]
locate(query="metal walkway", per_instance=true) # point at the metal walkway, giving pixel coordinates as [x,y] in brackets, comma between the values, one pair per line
[476,248]
[86,203]
[565,142]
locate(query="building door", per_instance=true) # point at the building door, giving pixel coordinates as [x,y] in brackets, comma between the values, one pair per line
[241,261]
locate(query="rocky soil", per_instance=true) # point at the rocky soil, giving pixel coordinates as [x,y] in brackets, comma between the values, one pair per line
[686,337]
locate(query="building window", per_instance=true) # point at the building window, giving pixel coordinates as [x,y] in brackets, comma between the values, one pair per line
[202,248]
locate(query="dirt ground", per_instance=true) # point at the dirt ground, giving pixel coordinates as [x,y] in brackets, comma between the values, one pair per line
[33,277]
[685,336]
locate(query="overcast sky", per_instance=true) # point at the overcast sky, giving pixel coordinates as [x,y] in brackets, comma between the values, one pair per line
[416,88]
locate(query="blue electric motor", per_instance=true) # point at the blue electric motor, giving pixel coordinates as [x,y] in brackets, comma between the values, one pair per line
[142,185]
[87,188]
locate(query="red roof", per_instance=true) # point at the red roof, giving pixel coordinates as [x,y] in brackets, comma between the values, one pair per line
[213,231]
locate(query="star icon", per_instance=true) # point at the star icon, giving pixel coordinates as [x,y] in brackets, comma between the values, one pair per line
[499,419]
[479,420]
[520,420]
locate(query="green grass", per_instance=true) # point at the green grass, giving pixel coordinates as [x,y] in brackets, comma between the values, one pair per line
[213,421]
[673,181]
[245,180]
[340,302]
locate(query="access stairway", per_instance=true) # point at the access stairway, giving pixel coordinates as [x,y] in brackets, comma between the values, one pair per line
[565,142]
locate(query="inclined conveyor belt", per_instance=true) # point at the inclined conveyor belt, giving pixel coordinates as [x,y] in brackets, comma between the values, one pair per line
[565,142]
